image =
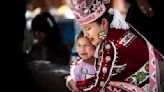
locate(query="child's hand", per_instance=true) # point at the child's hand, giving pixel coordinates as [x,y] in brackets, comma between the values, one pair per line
[76,60]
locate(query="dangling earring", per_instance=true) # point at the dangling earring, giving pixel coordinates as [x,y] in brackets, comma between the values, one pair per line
[102,35]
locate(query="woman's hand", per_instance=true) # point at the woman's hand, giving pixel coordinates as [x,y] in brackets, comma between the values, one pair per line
[72,85]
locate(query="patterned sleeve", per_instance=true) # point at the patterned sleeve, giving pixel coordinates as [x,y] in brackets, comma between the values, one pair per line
[103,65]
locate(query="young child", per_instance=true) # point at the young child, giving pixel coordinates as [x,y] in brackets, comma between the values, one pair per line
[83,66]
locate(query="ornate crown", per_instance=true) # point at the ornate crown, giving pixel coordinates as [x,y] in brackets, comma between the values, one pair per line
[87,11]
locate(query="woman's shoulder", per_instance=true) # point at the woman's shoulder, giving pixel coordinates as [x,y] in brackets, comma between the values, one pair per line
[116,34]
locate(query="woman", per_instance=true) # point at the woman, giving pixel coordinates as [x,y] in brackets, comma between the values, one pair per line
[125,60]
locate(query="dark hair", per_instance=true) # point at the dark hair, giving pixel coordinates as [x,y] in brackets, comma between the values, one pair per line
[107,16]
[46,23]
[80,35]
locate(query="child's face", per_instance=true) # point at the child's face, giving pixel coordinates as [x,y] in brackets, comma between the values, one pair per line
[84,48]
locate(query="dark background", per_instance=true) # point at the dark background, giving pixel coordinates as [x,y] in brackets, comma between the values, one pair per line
[14,76]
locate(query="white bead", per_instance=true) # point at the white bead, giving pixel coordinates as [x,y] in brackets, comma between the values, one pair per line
[86,11]
[102,83]
[108,58]
[107,46]
[104,70]
[103,90]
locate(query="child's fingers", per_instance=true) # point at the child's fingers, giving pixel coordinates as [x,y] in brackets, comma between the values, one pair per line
[66,76]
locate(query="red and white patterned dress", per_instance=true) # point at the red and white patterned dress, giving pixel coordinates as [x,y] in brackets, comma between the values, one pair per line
[125,62]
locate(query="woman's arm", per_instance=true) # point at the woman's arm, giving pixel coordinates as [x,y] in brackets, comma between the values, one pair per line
[71,85]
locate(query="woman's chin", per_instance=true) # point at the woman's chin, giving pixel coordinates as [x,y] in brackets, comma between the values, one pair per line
[94,43]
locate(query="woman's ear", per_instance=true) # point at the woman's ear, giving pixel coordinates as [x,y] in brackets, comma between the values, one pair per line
[104,24]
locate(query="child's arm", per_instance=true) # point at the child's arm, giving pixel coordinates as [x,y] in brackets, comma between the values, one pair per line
[70,80]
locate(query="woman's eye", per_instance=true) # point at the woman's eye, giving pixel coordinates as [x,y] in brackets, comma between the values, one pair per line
[88,28]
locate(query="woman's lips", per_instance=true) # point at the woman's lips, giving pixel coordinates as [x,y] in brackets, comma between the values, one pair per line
[91,39]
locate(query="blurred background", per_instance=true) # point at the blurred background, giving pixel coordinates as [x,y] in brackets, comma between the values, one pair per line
[60,12]
[47,76]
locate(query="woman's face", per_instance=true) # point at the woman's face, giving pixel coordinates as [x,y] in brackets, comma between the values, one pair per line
[84,48]
[91,31]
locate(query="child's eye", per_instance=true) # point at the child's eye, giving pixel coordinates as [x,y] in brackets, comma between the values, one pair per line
[86,45]
[78,45]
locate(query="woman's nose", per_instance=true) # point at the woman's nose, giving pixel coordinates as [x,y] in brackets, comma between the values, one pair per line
[85,34]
